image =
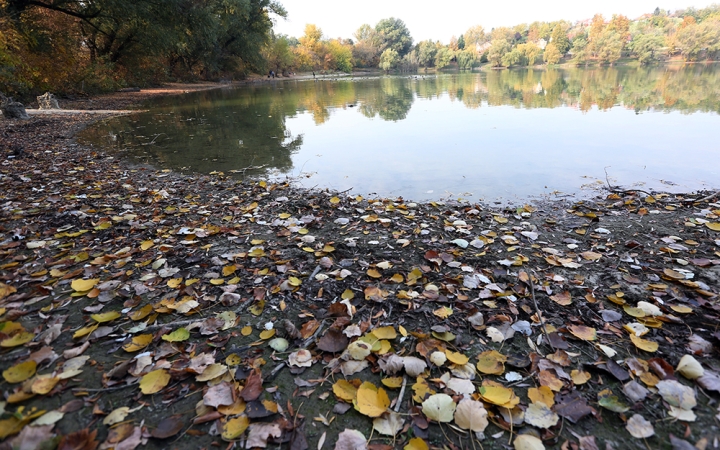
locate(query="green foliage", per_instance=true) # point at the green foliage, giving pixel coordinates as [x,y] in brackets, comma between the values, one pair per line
[461,42]
[560,39]
[608,46]
[279,55]
[474,36]
[530,52]
[512,58]
[552,55]
[443,57]
[466,59]
[393,34]
[426,53]
[646,46]
[339,56]
[498,49]
[696,39]
[389,59]
[579,50]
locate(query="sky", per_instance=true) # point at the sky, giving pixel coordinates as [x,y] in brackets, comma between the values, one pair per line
[438,20]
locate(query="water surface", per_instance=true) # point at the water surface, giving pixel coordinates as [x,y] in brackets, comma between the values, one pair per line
[508,134]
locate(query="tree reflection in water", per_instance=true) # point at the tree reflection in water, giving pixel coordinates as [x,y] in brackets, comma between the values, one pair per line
[234,129]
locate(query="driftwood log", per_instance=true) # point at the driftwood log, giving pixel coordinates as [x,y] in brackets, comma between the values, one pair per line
[12,109]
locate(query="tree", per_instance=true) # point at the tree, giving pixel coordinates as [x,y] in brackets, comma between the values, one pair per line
[338,56]
[608,46]
[512,58]
[560,39]
[426,53]
[579,50]
[474,36]
[596,29]
[621,25]
[552,55]
[392,33]
[466,59]
[366,50]
[461,42]
[530,52]
[646,46]
[279,55]
[453,45]
[443,57]
[498,49]
[389,59]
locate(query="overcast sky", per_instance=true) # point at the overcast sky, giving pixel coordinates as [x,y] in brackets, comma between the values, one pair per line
[439,20]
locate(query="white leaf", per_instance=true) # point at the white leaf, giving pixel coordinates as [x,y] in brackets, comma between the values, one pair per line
[639,428]
[528,442]
[259,433]
[389,423]
[351,440]
[690,368]
[439,407]
[471,415]
[414,366]
[539,415]
[677,394]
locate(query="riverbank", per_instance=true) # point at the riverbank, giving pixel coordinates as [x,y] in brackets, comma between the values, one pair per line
[140,307]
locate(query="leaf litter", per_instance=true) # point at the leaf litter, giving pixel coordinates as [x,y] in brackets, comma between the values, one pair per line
[140,305]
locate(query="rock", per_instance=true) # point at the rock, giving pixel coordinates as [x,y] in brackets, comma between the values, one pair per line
[12,109]
[47,101]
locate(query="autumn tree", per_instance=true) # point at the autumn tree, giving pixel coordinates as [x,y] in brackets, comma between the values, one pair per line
[474,36]
[608,46]
[530,52]
[551,55]
[646,46]
[498,49]
[366,51]
[560,39]
[443,57]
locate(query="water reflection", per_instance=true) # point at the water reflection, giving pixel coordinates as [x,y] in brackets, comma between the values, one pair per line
[262,128]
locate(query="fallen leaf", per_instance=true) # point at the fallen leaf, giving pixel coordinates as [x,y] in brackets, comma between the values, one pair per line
[638,427]
[20,372]
[471,415]
[439,407]
[154,381]
[371,400]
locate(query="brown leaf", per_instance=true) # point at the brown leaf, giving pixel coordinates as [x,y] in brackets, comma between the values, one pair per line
[572,406]
[333,341]
[308,328]
[80,440]
[253,386]
[169,426]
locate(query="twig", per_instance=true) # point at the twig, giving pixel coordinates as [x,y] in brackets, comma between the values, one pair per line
[537,311]
[114,388]
[314,272]
[402,393]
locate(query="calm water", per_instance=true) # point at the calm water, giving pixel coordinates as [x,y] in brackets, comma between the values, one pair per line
[503,134]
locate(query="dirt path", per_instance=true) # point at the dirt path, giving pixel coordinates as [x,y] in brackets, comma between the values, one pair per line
[144,308]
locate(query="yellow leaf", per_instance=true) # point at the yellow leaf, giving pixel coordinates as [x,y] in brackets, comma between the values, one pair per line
[233,359]
[174,282]
[246,330]
[190,281]
[392,382]
[397,278]
[543,395]
[348,295]
[146,244]
[416,444]
[267,334]
[499,395]
[402,330]
[443,312]
[681,309]
[212,371]
[387,332]
[43,384]
[491,362]
[282,216]
[238,407]
[334,200]
[715,226]
[229,270]
[154,381]
[234,428]
[644,344]
[105,317]
[138,343]
[217,281]
[20,372]
[141,313]
[456,357]
[583,332]
[81,285]
[500,219]
[373,273]
[371,400]
[19,339]
[328,248]
[294,281]
[6,289]
[181,334]
[580,376]
[84,331]
[345,390]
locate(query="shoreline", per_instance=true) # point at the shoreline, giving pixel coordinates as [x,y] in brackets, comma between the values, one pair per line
[188,250]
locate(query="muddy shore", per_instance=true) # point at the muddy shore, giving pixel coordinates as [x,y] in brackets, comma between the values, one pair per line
[124,288]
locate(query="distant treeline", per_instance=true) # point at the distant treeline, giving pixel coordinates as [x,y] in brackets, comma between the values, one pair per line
[70,46]
[690,34]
